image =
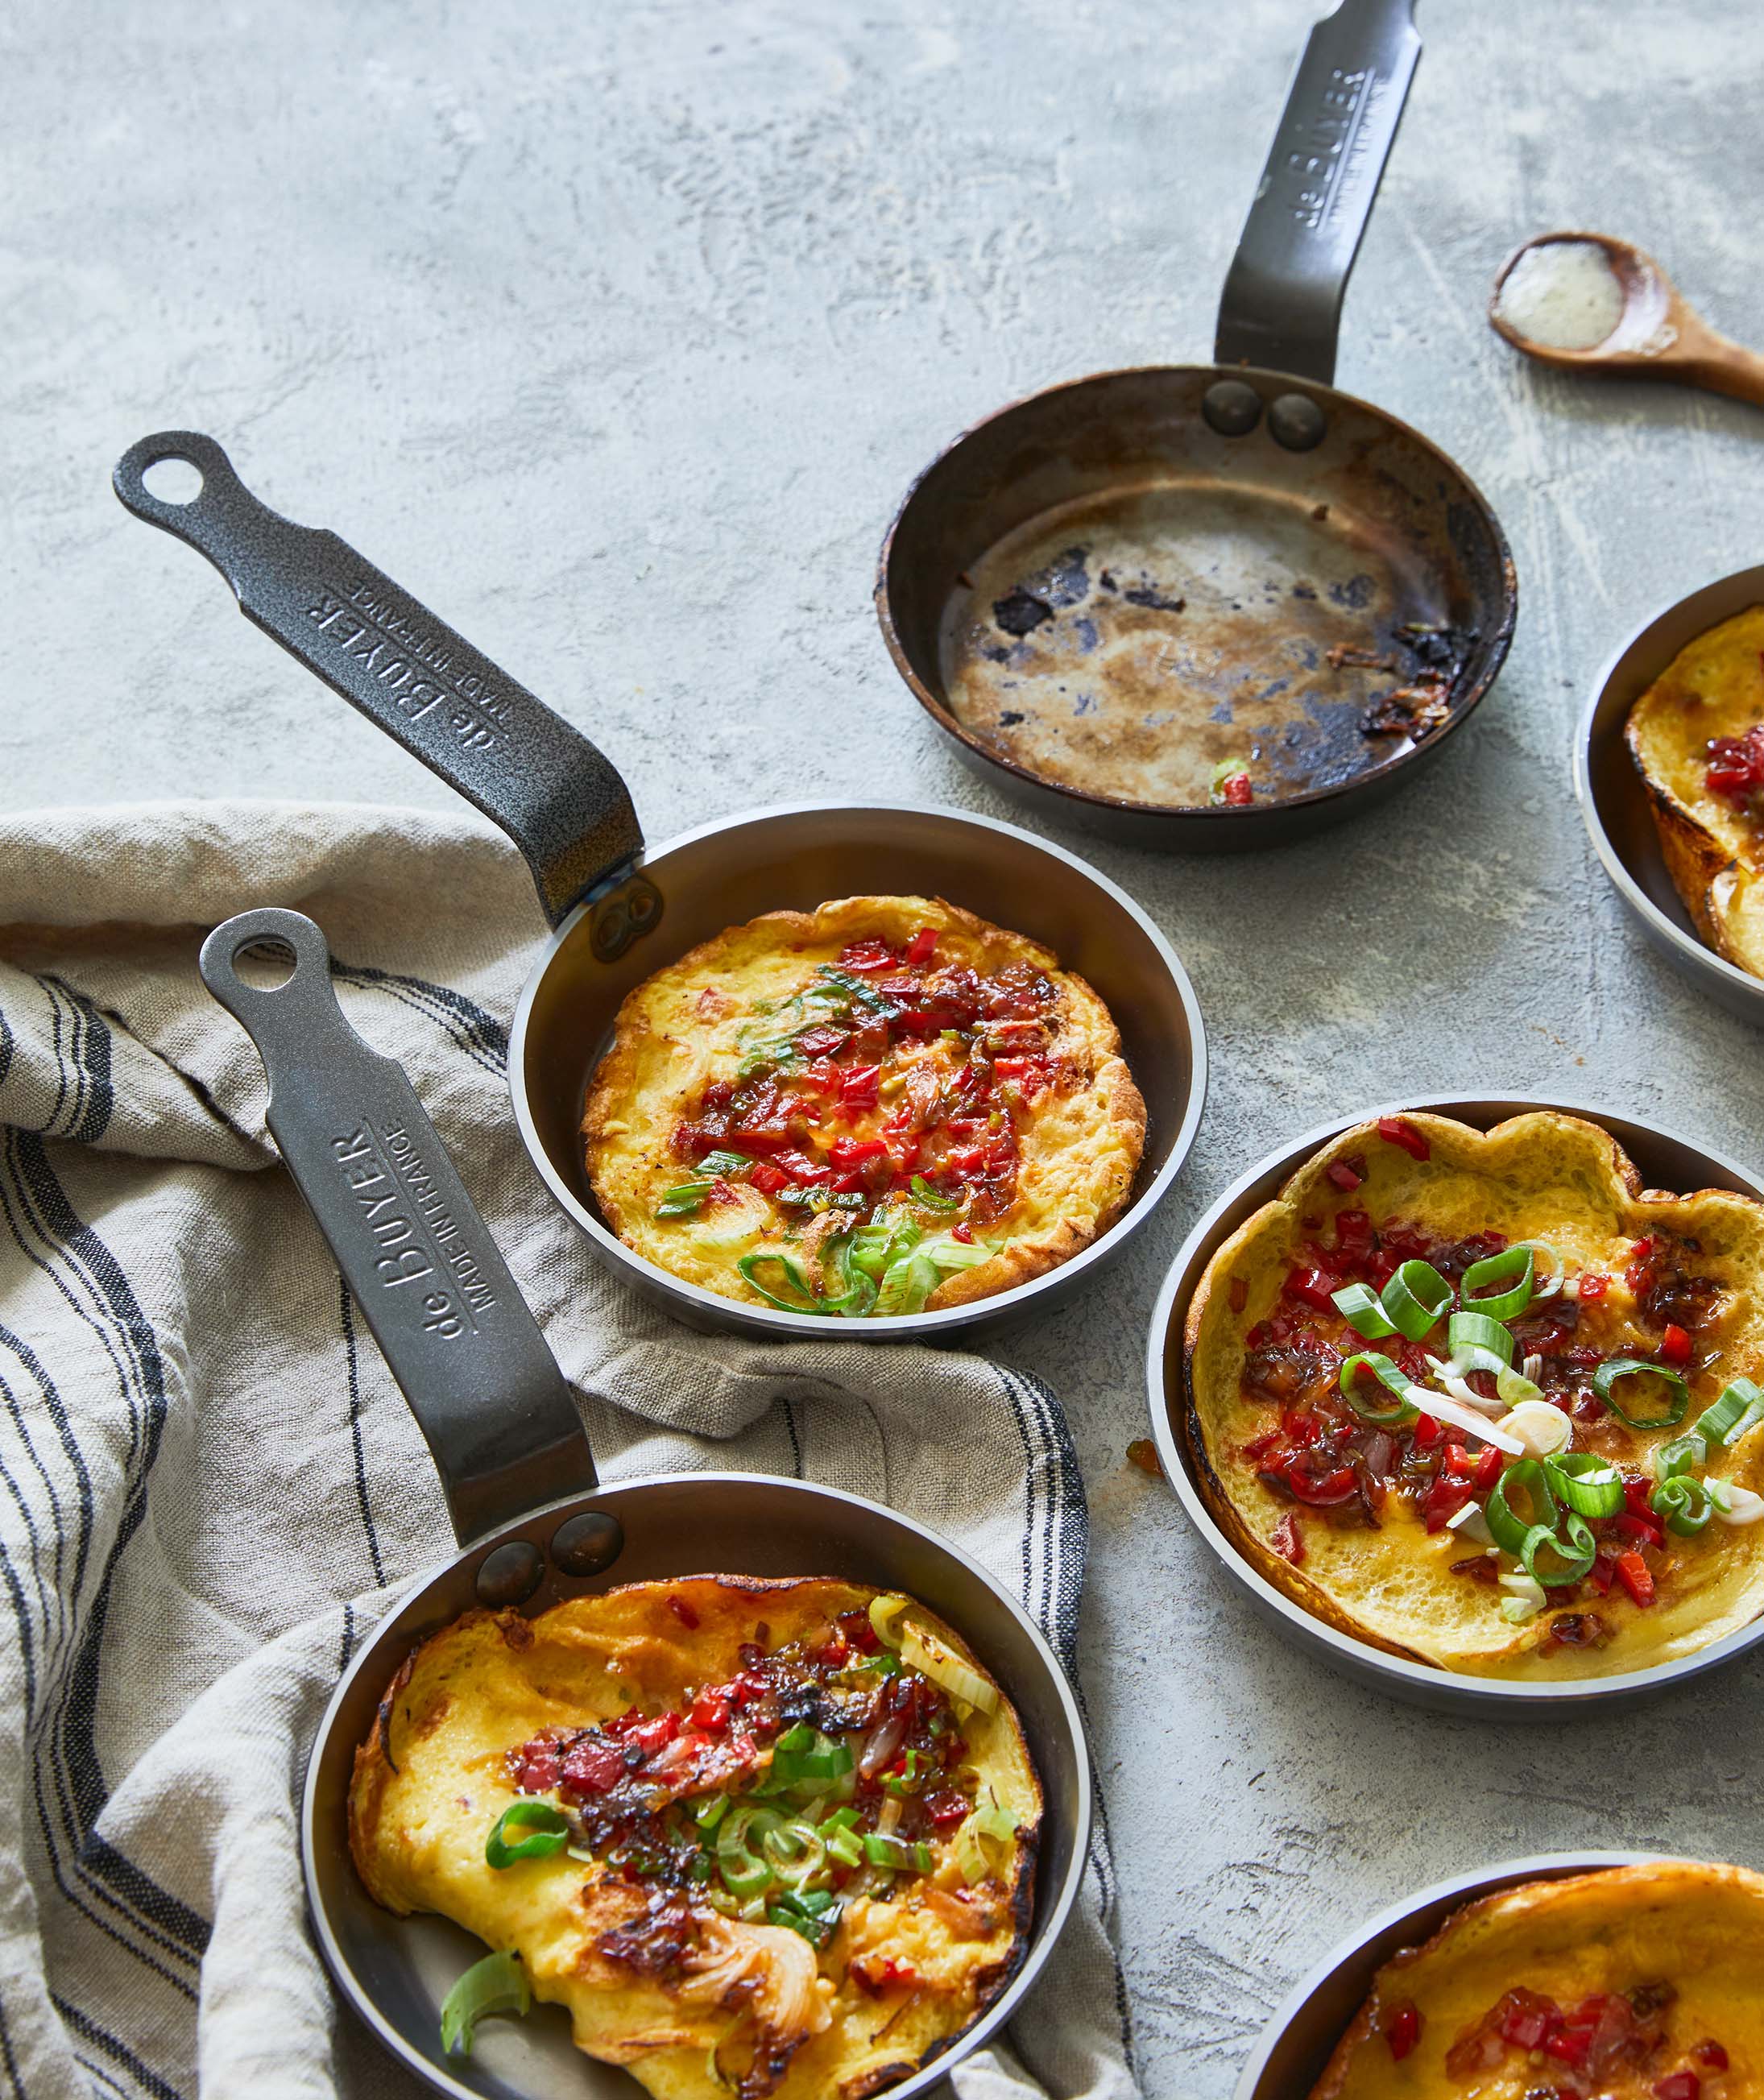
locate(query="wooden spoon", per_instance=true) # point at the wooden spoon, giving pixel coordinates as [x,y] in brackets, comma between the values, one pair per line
[1658,335]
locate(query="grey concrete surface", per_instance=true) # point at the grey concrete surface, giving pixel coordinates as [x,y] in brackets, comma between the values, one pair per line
[616,332]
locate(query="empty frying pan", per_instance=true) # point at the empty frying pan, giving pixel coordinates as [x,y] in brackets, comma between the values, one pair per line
[1215,606]
[620,911]
[535,1526]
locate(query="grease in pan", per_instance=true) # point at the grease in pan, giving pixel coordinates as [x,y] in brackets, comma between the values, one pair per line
[880,1106]
[1632,1983]
[1487,1488]
[757,1836]
[1697,737]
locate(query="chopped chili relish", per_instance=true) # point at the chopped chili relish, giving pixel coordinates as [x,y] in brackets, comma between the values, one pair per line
[1734,768]
[889,1094]
[1315,1452]
[823,1769]
[1580,2049]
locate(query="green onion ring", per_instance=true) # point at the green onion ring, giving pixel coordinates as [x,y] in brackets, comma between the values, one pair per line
[1576,1556]
[1619,1367]
[1414,1298]
[793,1275]
[497,1984]
[1359,1306]
[1552,1283]
[1585,1482]
[550,1825]
[1740,1407]
[1476,1330]
[1685,1503]
[684,1201]
[1508,1533]
[1513,1261]
[1388,1375]
[1680,1455]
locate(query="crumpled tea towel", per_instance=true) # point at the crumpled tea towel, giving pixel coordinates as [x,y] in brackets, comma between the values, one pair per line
[209,1486]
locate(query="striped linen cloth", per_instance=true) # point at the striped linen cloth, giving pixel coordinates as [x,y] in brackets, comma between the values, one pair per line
[209,1486]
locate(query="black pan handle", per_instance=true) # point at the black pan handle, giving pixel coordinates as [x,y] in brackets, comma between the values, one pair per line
[559,798]
[1282,300]
[481,1380]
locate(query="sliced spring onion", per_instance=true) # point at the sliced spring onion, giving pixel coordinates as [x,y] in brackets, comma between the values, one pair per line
[1414,1298]
[803,1754]
[744,1874]
[682,1202]
[1735,1504]
[1517,1610]
[928,1197]
[1387,1374]
[1680,1455]
[1575,1551]
[1585,1482]
[814,1913]
[805,1301]
[1511,1531]
[796,1852]
[1622,1367]
[947,1255]
[1476,1330]
[900,1853]
[497,1984]
[1542,1428]
[854,988]
[932,1658]
[854,1291]
[987,1822]
[725,1166]
[550,1825]
[711,1811]
[907,1281]
[1359,1306]
[1514,1267]
[1443,1408]
[1470,1523]
[846,1846]
[1552,1283]
[883,1611]
[1740,1407]
[1685,1503]
[1454,1378]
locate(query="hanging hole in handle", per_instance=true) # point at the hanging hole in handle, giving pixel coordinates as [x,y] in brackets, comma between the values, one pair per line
[265,964]
[176,481]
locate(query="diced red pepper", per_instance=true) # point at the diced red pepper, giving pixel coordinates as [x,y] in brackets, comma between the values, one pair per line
[947,1808]
[1426,1432]
[1679,2086]
[1633,1574]
[969,1160]
[1445,1498]
[767,1179]
[858,1087]
[1258,1447]
[1643,1530]
[1593,1288]
[1315,1287]
[1456,1462]
[1288,1541]
[592,1766]
[1396,1130]
[1711,2055]
[963,1232]
[1324,1492]
[821,1041]
[1239,791]
[1602,1574]
[1487,1467]
[656,1734]
[923,946]
[803,1171]
[1674,1346]
[871,953]
[684,1613]
[1402,2030]
[849,1152]
[1343,1175]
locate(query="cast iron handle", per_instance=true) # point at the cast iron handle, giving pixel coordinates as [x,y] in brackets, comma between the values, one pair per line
[559,798]
[1282,300]
[481,1380]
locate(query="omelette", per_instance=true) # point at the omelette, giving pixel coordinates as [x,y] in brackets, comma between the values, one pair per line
[758,1837]
[1697,737]
[1628,1983]
[1480,1400]
[881,1107]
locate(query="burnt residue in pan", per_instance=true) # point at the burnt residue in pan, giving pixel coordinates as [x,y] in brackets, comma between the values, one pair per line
[1148,644]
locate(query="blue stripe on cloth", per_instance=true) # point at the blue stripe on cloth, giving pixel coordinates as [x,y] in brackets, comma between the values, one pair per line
[89,2030]
[483,1038]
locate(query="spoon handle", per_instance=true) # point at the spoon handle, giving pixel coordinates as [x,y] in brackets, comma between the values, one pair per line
[1723,367]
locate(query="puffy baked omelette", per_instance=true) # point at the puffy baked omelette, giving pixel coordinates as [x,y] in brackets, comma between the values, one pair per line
[757,1836]
[881,1106]
[1480,1399]
[1697,737]
[1631,1983]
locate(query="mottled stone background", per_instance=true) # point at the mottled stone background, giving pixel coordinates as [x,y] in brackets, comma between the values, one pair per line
[617,332]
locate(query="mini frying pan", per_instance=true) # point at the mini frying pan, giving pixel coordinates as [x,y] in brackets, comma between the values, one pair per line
[619,911]
[535,1525]
[1114,595]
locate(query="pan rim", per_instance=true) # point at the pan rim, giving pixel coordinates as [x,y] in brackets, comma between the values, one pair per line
[944,719]
[438,2078]
[1422,1682]
[711,1305]
[1457,1889]
[1695,957]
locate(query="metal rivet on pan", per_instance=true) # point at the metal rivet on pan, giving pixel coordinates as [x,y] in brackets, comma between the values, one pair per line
[1232,406]
[1295,421]
[510,1575]
[585,1545]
